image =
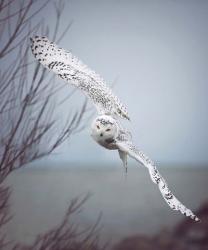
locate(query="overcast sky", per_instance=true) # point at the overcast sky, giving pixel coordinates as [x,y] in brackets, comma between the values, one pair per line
[157,51]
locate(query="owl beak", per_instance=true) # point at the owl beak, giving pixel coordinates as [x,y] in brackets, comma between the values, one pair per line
[101,134]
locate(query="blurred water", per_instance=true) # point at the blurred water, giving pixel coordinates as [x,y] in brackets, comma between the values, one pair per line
[134,205]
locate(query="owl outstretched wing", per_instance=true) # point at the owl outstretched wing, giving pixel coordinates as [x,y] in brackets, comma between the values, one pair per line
[128,148]
[72,70]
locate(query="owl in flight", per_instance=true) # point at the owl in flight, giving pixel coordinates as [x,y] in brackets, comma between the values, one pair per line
[106,129]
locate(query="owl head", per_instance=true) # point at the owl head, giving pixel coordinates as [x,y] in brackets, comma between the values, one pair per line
[104,128]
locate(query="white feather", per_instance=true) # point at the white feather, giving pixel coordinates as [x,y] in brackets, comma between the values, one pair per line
[72,70]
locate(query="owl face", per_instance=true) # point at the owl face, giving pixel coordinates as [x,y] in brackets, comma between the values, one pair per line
[104,129]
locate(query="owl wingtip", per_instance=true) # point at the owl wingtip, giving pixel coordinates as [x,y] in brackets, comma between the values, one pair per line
[195,218]
[198,220]
[127,117]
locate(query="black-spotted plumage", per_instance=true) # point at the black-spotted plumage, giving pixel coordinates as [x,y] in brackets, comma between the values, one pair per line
[71,69]
[127,147]
[111,136]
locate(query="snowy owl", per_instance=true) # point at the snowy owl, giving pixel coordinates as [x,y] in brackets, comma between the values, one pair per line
[106,129]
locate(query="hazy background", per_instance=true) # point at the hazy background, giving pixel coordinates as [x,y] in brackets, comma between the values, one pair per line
[129,206]
[156,53]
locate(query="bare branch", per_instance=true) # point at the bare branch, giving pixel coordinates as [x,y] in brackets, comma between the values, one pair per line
[28,121]
[26,99]
[67,235]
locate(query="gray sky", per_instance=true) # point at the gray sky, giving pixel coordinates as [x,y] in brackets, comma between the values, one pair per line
[157,50]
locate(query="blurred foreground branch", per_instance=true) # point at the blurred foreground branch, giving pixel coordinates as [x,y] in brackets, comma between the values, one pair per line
[28,122]
[67,235]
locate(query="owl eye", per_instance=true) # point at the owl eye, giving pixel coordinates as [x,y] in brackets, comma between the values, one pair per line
[108,129]
[98,127]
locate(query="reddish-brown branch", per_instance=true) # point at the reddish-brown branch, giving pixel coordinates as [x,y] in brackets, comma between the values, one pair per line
[28,121]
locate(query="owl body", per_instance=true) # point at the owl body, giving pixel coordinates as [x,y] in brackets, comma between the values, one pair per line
[105,130]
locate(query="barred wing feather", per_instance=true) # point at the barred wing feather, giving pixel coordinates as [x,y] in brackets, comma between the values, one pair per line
[72,70]
[156,177]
